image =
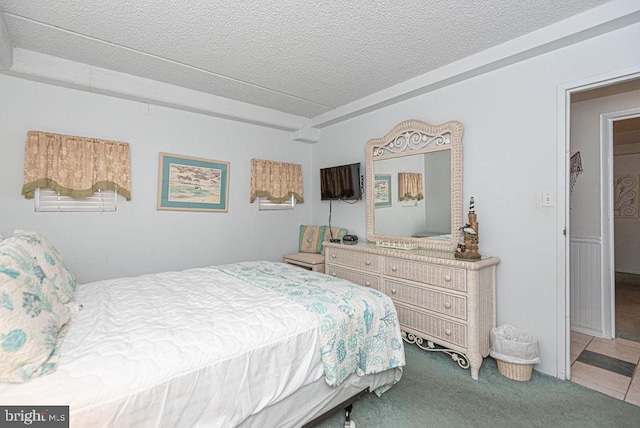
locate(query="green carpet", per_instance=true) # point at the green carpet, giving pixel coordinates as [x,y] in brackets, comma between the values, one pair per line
[434,391]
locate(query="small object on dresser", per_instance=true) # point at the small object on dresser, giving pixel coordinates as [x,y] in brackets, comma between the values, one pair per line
[350,239]
[469,250]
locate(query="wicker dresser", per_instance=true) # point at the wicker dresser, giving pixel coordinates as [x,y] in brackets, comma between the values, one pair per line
[444,304]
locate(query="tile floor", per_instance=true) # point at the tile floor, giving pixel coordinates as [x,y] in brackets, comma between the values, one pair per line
[609,366]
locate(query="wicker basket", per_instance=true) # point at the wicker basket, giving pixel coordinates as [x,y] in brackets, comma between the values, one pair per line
[520,372]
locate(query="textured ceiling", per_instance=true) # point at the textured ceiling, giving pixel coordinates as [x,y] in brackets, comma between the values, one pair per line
[303,58]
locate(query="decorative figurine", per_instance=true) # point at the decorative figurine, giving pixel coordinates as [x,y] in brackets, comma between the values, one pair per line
[469,249]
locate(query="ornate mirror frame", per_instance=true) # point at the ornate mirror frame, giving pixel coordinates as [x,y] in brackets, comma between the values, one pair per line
[415,137]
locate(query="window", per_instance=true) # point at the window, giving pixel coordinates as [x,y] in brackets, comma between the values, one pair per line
[75,166]
[277,181]
[48,200]
[266,205]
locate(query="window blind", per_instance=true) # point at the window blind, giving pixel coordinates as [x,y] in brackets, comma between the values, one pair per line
[48,200]
[266,205]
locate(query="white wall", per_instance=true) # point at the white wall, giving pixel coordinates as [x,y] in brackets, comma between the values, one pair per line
[137,238]
[510,155]
[585,138]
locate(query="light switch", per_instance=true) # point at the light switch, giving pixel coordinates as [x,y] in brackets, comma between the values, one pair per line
[548,198]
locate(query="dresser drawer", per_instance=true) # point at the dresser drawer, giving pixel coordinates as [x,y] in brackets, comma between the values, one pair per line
[444,303]
[356,259]
[442,276]
[354,276]
[433,326]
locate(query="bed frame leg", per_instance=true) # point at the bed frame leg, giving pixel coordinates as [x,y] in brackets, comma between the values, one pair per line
[347,411]
[348,423]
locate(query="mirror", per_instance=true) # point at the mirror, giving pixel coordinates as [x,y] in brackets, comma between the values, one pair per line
[426,212]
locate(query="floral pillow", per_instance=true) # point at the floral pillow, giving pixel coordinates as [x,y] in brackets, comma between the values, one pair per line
[310,240]
[32,322]
[60,282]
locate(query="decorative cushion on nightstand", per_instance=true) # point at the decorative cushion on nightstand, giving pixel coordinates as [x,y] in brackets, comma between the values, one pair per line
[311,246]
[310,240]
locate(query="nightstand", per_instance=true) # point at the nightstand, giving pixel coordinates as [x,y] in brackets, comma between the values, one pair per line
[309,261]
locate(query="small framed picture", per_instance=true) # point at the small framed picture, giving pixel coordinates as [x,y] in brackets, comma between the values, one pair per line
[382,190]
[192,184]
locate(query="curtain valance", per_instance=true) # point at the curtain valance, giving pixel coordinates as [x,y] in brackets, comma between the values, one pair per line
[410,186]
[75,166]
[276,181]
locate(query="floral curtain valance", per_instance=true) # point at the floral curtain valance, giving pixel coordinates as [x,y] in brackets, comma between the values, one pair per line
[276,181]
[410,186]
[75,166]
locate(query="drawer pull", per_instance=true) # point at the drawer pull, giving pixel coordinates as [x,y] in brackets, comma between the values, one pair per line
[447,278]
[447,332]
[367,283]
[394,291]
[447,305]
[368,263]
[333,256]
[394,268]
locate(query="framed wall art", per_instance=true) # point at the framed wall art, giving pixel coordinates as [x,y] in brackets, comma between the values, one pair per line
[382,190]
[192,184]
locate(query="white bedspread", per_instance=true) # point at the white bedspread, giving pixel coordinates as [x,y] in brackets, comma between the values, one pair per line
[198,336]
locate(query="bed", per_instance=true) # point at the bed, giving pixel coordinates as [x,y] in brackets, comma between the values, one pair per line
[243,344]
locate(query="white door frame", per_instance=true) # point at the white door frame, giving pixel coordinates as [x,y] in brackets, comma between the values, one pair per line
[607,260]
[564,92]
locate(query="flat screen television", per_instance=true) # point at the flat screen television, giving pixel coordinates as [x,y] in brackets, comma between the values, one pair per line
[340,182]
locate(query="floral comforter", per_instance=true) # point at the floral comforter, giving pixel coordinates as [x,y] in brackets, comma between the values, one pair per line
[359,329]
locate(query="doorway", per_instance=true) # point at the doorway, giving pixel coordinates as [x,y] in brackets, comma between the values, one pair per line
[603,272]
[602,137]
[601,130]
[626,223]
